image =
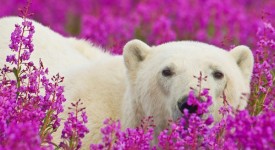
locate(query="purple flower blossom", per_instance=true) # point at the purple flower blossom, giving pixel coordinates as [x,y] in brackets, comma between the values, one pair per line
[15,38]
[30,104]
[22,135]
[134,139]
[11,59]
[74,128]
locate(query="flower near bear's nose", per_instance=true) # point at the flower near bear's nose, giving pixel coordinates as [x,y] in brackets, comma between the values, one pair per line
[183,104]
[195,103]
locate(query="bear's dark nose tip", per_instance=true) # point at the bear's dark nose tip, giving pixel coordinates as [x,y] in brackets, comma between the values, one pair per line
[183,105]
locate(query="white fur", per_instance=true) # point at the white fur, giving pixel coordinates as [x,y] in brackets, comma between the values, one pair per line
[132,87]
[149,93]
[57,52]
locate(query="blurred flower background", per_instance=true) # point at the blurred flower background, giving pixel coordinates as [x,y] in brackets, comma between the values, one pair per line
[111,23]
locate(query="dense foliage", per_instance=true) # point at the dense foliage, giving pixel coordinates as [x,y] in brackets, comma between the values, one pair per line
[30,103]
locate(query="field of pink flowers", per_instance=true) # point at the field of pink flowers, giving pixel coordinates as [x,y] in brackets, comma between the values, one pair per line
[30,104]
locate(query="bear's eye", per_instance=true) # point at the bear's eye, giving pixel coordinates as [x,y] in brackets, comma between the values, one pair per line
[167,72]
[218,75]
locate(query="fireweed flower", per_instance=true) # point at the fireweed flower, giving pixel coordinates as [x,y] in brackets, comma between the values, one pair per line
[22,135]
[29,102]
[263,74]
[130,139]
[15,38]
[74,127]
[192,129]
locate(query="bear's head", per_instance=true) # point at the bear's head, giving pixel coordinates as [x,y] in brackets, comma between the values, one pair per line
[161,77]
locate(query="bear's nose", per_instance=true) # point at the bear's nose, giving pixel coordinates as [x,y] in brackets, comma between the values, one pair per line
[183,105]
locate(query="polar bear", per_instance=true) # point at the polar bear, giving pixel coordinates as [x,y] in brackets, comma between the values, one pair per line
[145,80]
[153,81]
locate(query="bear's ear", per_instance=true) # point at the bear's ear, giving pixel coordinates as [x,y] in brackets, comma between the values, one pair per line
[134,52]
[245,60]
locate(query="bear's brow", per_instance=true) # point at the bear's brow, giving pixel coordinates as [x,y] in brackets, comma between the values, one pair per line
[214,67]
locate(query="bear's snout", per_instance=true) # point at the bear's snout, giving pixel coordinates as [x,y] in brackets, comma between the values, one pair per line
[183,105]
